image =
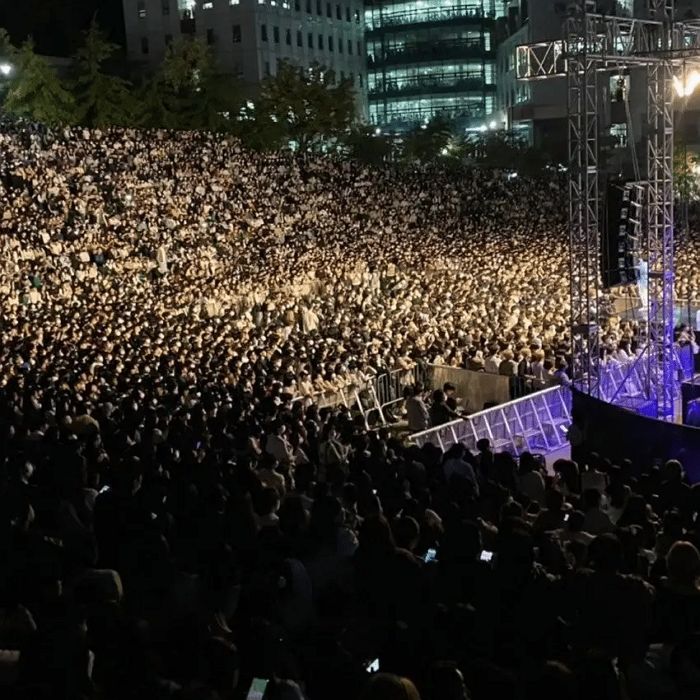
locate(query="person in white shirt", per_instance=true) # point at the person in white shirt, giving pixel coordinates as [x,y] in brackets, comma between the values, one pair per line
[492,361]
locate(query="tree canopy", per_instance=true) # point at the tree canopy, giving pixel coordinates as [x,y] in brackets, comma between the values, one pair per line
[307,104]
[36,93]
[101,99]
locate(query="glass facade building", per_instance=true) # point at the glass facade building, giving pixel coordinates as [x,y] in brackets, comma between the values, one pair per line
[431,57]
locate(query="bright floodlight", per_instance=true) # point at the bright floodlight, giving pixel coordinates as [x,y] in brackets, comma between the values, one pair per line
[493,125]
[686,89]
[5,69]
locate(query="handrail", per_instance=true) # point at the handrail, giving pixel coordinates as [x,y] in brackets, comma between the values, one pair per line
[484,412]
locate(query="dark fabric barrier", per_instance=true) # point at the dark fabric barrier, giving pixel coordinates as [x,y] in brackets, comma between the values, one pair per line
[617,433]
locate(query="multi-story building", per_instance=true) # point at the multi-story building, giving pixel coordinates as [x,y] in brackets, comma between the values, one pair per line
[251,37]
[536,110]
[431,57]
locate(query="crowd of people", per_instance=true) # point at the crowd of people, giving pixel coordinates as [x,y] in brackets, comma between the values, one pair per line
[179,517]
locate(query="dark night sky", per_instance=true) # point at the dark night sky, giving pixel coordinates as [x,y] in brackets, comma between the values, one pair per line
[56,25]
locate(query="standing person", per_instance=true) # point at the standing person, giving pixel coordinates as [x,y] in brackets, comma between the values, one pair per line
[417,413]
[162,260]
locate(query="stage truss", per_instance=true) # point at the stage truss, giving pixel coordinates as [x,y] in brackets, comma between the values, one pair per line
[596,45]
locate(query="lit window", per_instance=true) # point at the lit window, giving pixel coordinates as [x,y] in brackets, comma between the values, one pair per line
[234,2]
[207,5]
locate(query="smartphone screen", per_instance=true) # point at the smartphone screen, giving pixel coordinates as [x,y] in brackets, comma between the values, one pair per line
[257,689]
[373,666]
[486,555]
[104,489]
[430,555]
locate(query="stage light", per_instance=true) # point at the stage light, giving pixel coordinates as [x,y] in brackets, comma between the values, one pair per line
[5,69]
[685,88]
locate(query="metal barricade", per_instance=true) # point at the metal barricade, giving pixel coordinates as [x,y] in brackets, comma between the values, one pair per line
[537,422]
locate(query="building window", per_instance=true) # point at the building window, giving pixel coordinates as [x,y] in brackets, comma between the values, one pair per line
[310,40]
[329,10]
[320,42]
[141,9]
[330,43]
[338,12]
[347,13]
[210,36]
[168,39]
[144,44]
[350,46]
[357,16]
[236,33]
[308,6]
[362,82]
[263,32]
[359,48]
[288,37]
[342,76]
[319,7]
[267,69]
[340,45]
[300,38]
[276,34]
[165,7]
[297,5]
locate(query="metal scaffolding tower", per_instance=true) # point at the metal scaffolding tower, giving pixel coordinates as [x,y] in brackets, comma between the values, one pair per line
[597,45]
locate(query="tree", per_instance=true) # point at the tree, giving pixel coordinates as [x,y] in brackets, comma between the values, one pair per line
[156,105]
[7,50]
[685,178]
[428,142]
[102,99]
[310,108]
[365,144]
[36,92]
[194,90]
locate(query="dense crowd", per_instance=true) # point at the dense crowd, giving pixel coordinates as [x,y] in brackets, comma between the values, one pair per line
[180,519]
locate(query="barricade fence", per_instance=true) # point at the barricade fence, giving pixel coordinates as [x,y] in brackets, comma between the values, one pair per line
[537,422]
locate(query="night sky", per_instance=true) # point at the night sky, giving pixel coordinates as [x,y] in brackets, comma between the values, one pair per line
[56,25]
